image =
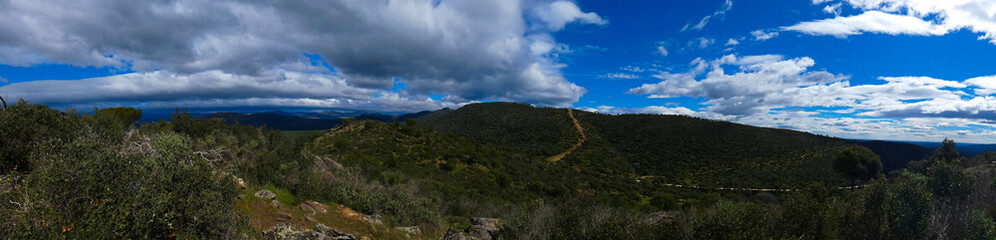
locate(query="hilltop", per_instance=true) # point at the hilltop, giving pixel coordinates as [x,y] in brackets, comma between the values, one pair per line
[675,148]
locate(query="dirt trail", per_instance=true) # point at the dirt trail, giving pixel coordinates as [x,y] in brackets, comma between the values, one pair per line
[577,125]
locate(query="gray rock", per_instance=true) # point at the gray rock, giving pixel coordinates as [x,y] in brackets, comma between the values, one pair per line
[454,234]
[375,219]
[266,194]
[490,223]
[324,229]
[286,231]
[481,232]
[482,229]
[410,230]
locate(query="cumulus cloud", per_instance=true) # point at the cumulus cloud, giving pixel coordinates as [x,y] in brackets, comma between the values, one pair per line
[469,50]
[870,21]
[558,14]
[727,6]
[832,8]
[912,17]
[732,42]
[985,85]
[763,83]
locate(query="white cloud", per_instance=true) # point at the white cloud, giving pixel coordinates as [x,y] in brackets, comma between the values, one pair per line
[621,76]
[473,50]
[761,35]
[701,42]
[726,7]
[558,14]
[986,85]
[162,89]
[661,50]
[732,42]
[766,82]
[870,21]
[635,69]
[833,8]
[913,17]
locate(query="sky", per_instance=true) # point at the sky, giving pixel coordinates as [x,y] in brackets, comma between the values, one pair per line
[913,70]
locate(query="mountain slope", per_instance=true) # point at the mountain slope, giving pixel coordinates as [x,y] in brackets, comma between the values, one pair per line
[673,148]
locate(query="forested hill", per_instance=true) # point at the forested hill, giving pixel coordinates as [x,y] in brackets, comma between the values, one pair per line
[674,148]
[895,155]
[275,121]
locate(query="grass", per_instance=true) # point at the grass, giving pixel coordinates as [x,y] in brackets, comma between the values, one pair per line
[283,196]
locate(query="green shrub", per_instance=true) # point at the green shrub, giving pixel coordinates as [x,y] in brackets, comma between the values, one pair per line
[664,201]
[90,190]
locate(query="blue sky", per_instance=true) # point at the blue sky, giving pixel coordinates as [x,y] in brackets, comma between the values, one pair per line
[873,69]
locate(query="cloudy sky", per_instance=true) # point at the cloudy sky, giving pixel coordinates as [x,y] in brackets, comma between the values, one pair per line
[871,69]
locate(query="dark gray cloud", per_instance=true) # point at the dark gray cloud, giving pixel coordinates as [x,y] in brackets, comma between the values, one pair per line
[468,49]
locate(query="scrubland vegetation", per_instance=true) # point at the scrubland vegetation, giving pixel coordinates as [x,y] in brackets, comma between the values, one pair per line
[66,174]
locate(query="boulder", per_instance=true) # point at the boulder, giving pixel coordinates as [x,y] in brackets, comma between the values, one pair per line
[490,223]
[321,228]
[318,207]
[374,219]
[410,230]
[266,194]
[308,208]
[481,229]
[454,234]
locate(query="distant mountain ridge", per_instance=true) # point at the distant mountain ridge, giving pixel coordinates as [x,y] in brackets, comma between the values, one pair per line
[281,120]
[275,120]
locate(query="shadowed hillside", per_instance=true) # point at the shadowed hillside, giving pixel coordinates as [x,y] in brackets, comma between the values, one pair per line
[895,155]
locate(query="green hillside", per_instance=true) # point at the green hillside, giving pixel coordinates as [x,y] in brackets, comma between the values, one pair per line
[677,149]
[67,175]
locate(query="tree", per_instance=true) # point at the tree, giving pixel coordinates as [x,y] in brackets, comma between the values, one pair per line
[858,163]
[946,152]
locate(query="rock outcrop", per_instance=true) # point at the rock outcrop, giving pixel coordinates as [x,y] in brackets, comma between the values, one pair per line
[286,231]
[480,229]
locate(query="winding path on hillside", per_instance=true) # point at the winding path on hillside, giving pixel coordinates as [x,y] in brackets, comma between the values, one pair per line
[577,125]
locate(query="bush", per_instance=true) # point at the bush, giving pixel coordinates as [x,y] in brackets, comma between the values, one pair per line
[664,201]
[949,182]
[92,191]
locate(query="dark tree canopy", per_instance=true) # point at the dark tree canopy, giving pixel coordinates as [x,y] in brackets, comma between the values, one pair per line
[946,152]
[858,162]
